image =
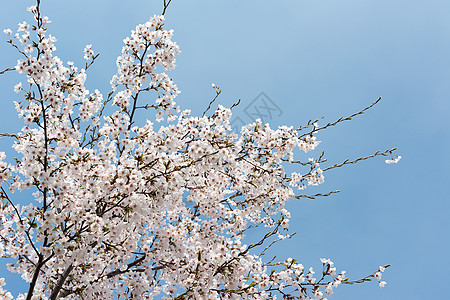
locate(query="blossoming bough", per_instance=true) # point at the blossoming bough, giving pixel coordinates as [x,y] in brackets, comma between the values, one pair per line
[128,211]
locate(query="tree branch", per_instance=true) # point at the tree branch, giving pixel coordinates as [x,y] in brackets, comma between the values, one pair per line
[6,70]
[341,119]
[212,101]
[60,282]
[347,161]
[166,5]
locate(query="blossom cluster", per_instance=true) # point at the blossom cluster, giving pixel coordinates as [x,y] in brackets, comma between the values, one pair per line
[138,63]
[131,210]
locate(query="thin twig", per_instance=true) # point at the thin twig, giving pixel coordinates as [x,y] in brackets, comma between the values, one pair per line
[10,202]
[347,161]
[166,5]
[212,101]
[6,70]
[235,104]
[317,195]
[341,119]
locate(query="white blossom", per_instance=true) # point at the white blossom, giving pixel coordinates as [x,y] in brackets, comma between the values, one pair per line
[393,160]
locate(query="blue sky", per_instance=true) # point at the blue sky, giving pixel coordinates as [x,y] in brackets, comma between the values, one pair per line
[313,59]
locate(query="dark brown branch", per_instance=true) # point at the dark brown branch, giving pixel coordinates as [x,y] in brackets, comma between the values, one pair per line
[272,243]
[60,282]
[130,265]
[166,5]
[212,101]
[6,70]
[10,202]
[235,104]
[9,135]
[136,96]
[39,265]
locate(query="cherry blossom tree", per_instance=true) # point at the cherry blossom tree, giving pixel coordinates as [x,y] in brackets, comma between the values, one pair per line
[127,209]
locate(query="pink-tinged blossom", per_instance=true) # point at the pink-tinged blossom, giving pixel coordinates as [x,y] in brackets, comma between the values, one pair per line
[393,160]
[88,52]
[18,87]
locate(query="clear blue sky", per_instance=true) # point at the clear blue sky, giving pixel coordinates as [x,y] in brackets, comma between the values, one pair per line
[313,59]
